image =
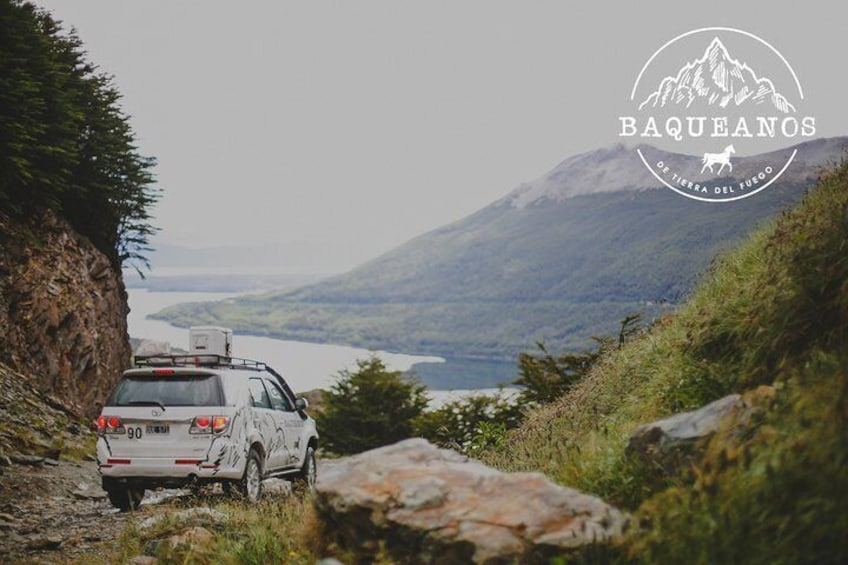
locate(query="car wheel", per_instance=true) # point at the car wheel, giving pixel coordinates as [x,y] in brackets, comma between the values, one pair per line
[251,484]
[309,471]
[124,497]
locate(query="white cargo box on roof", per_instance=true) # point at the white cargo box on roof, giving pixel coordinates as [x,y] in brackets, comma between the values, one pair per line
[210,340]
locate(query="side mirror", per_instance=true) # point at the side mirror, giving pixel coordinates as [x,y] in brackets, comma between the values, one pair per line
[301,404]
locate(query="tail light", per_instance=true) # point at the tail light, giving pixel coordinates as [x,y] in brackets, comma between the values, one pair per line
[110,425]
[209,424]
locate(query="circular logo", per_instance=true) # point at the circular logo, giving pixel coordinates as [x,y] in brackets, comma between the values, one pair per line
[715,113]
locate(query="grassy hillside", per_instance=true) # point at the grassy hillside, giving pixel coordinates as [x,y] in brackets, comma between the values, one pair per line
[558,269]
[773,312]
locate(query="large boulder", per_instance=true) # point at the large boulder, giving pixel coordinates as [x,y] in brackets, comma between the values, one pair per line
[681,431]
[424,504]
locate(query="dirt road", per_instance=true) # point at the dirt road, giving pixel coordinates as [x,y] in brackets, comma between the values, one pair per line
[55,514]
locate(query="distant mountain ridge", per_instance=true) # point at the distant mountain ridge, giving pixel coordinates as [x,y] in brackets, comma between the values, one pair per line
[557,260]
[717,78]
[613,170]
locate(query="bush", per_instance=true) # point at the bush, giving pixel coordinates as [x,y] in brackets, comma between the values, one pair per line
[369,407]
[546,378]
[470,424]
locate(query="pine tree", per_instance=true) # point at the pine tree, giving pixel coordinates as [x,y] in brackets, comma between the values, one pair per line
[65,143]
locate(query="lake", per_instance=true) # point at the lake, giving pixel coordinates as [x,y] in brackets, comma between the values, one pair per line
[308,366]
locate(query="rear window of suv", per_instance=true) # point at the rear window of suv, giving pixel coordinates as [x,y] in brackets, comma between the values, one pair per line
[173,390]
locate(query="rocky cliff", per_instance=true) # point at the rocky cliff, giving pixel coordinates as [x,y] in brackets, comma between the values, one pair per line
[63,311]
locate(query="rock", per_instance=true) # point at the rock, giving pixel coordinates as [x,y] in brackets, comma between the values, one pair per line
[51,453]
[199,516]
[89,494]
[316,400]
[159,496]
[433,505]
[63,311]
[32,460]
[49,542]
[276,487]
[669,443]
[152,347]
[142,560]
[8,522]
[51,462]
[191,539]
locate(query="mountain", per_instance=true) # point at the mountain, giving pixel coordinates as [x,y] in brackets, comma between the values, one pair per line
[717,78]
[765,482]
[558,259]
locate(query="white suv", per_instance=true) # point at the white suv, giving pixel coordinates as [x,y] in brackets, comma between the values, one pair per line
[179,421]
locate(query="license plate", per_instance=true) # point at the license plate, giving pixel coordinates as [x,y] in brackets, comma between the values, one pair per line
[157,428]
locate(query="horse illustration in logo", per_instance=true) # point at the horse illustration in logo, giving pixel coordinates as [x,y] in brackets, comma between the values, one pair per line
[722,158]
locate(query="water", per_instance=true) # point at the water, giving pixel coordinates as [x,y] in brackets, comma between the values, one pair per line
[308,366]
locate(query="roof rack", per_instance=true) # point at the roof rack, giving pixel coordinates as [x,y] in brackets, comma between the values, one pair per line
[170,360]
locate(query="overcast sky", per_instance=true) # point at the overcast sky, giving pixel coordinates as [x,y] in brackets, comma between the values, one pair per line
[354,126]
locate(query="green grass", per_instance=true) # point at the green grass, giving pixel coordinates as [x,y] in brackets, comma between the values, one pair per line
[32,426]
[774,311]
[273,531]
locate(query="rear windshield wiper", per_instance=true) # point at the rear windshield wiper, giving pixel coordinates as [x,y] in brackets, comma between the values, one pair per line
[145,403]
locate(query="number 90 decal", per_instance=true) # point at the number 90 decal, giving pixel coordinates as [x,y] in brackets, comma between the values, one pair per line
[134,433]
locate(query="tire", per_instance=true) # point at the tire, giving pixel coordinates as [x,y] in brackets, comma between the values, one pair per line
[250,485]
[124,497]
[305,479]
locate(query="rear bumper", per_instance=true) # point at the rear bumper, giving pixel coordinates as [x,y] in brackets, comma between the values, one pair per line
[165,468]
[167,471]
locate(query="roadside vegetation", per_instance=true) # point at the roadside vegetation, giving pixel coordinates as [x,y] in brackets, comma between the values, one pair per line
[373,406]
[773,312]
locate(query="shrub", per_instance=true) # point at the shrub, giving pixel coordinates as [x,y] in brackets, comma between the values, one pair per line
[470,424]
[546,377]
[369,407]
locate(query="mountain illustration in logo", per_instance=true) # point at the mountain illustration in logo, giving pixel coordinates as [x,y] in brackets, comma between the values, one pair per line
[717,79]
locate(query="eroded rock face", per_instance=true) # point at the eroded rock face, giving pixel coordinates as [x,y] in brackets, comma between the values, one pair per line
[431,505]
[63,312]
